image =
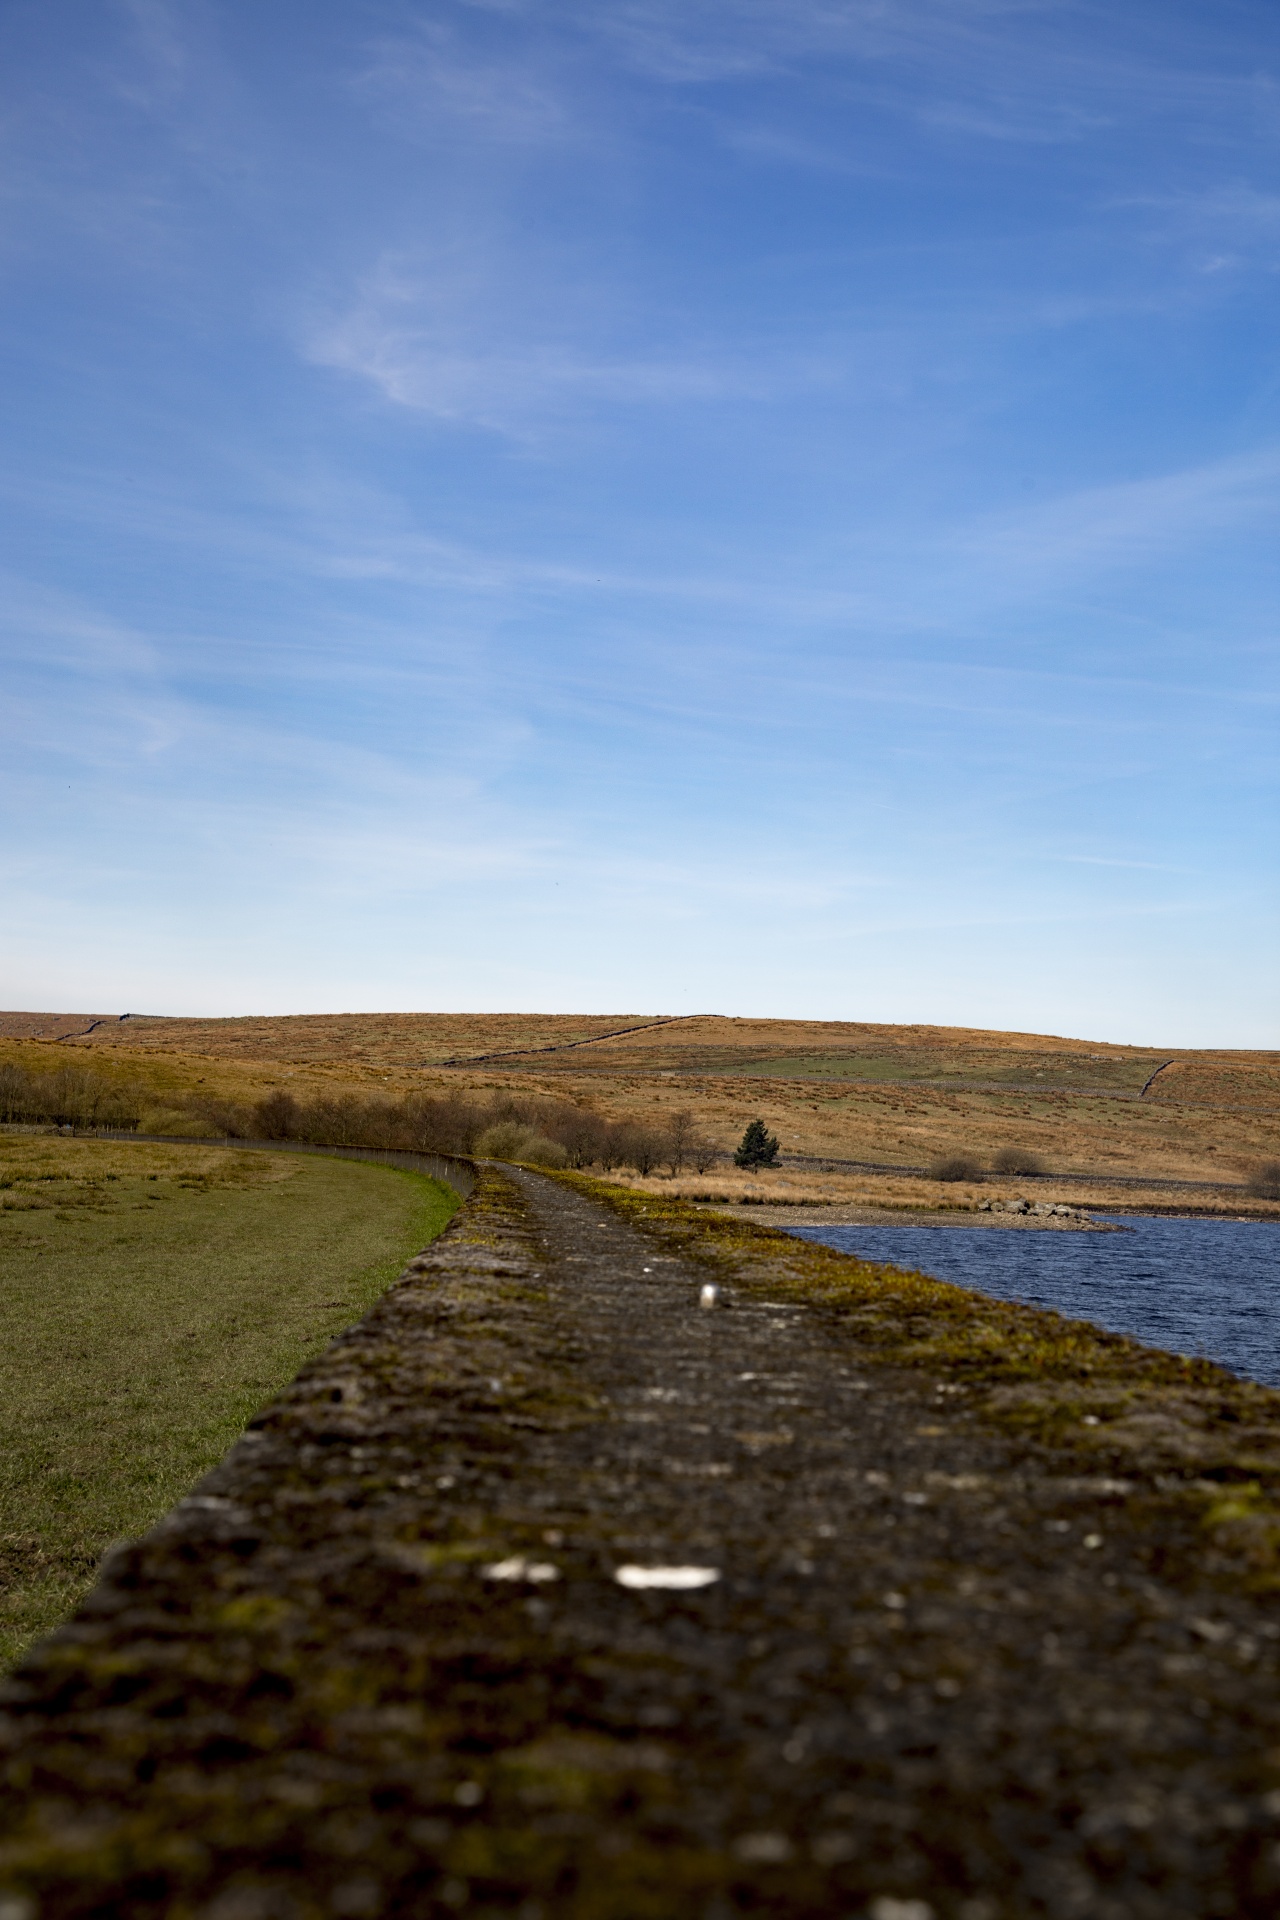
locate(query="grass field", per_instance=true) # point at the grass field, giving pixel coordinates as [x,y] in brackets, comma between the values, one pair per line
[152,1299]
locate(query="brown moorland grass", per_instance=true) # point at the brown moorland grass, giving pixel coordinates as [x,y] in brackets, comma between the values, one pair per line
[363,1041]
[161,1074]
[1104,1139]
[688,1044]
[851,1091]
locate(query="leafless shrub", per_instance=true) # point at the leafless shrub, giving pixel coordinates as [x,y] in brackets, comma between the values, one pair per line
[512,1140]
[613,1147]
[342,1120]
[1265,1184]
[641,1147]
[276,1117]
[543,1152]
[955,1166]
[179,1122]
[209,1114]
[580,1132]
[1017,1160]
[427,1125]
[545,1132]
[703,1152]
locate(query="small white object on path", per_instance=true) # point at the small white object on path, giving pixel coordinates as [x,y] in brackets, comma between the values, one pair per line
[518,1568]
[710,1295]
[679,1579]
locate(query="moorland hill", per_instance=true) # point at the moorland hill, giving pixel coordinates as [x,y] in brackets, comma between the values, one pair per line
[854,1098]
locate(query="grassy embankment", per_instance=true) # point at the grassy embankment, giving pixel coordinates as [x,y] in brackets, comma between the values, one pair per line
[153,1299]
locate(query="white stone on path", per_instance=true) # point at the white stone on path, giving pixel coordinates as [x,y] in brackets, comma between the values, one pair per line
[675,1579]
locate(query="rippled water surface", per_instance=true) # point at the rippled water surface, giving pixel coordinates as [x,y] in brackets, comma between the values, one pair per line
[1193,1286]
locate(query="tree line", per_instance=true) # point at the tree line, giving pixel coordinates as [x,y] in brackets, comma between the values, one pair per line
[70,1097]
[507,1126]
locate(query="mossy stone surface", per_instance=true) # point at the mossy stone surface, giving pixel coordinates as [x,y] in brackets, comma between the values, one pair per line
[964,1652]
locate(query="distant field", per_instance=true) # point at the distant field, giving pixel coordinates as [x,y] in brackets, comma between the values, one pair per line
[364,1046]
[907,1066]
[365,1041]
[852,1090]
[153,1299]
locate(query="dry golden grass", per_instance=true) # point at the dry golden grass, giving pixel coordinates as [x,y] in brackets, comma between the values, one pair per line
[1107,1138]
[833,1195]
[829,1089]
[363,1042]
[1231,1079]
[161,1073]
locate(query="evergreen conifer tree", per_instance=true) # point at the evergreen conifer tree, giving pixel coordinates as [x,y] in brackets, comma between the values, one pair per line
[759,1147]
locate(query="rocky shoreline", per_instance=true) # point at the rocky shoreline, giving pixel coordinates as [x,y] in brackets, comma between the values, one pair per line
[1024,1217]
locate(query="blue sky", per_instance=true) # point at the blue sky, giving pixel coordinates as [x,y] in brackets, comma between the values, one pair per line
[758,506]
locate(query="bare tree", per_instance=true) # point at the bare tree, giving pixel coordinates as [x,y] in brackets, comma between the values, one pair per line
[643,1149]
[580,1132]
[703,1152]
[276,1117]
[679,1140]
[613,1146]
[15,1091]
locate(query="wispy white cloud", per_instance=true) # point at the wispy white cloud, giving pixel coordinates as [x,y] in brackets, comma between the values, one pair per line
[894,580]
[436,86]
[1223,226]
[1138,866]
[705,41]
[56,631]
[1032,70]
[991,70]
[464,339]
[160,72]
[1026,122]
[1125,524]
[106,147]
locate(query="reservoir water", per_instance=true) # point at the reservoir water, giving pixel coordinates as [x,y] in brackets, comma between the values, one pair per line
[1206,1287]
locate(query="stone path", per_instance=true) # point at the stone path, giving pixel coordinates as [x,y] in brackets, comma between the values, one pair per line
[403,1652]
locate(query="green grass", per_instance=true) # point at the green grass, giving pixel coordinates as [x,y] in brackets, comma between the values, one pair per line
[151,1300]
[1059,1073]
